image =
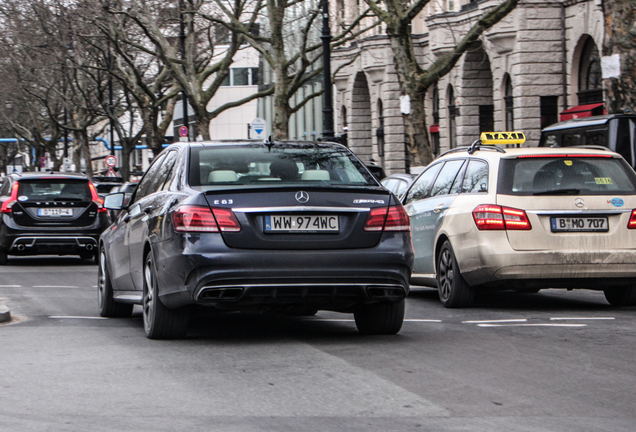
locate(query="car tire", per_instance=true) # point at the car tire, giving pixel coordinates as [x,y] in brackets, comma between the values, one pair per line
[619,296]
[3,257]
[159,321]
[108,307]
[453,290]
[380,318]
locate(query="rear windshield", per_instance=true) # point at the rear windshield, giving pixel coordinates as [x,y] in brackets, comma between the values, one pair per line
[54,190]
[566,175]
[279,164]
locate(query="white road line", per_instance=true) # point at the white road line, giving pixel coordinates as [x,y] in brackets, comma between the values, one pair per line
[580,318]
[423,320]
[350,320]
[10,286]
[496,321]
[53,286]
[77,317]
[532,325]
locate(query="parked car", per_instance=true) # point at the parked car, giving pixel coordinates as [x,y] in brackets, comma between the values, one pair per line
[525,219]
[44,213]
[293,227]
[616,132]
[397,183]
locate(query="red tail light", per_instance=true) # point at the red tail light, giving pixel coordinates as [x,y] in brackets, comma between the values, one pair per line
[6,206]
[631,224]
[201,219]
[393,218]
[494,217]
[96,199]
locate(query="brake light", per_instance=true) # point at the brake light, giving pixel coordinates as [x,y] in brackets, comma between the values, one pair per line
[227,220]
[96,199]
[494,217]
[631,224]
[563,155]
[8,204]
[192,218]
[393,218]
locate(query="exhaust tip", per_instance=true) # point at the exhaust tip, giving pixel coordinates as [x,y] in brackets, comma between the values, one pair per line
[211,293]
[89,247]
[20,247]
[385,292]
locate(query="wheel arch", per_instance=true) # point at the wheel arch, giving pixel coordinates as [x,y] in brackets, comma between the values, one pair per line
[438,247]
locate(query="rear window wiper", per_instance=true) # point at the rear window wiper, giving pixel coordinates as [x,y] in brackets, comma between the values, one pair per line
[558,192]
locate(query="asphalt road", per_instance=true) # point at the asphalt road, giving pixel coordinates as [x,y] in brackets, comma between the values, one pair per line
[552,361]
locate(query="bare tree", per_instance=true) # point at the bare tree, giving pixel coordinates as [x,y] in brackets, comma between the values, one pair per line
[397,15]
[290,45]
[620,39]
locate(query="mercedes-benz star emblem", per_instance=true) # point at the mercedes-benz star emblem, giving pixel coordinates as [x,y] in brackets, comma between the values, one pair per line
[579,202]
[302,197]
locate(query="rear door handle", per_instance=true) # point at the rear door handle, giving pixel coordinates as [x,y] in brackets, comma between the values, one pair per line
[438,208]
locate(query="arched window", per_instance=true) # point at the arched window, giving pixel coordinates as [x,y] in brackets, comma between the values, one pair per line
[452,117]
[590,89]
[508,104]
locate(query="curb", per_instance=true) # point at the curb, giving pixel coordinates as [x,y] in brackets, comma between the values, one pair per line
[5,314]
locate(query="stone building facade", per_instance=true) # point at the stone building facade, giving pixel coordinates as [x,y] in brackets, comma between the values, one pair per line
[541,60]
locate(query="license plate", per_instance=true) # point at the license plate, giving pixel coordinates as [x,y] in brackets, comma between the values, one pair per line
[308,224]
[56,212]
[579,224]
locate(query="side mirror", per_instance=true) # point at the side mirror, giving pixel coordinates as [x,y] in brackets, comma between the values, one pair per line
[114,201]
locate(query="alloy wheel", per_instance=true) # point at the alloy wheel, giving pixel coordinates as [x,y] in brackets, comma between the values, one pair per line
[445,274]
[149,295]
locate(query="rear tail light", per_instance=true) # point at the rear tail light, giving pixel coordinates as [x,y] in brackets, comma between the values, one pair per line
[393,218]
[96,199]
[191,218]
[631,224]
[494,217]
[8,204]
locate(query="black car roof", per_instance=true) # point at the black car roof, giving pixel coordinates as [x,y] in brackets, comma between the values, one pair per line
[586,121]
[29,175]
[322,144]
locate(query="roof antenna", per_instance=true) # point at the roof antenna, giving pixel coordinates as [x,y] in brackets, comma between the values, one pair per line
[269,142]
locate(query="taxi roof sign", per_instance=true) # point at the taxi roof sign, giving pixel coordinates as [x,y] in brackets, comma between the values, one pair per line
[490,138]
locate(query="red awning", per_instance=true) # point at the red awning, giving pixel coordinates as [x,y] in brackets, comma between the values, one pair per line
[583,111]
[435,128]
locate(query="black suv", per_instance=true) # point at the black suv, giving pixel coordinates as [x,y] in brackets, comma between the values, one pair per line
[45,213]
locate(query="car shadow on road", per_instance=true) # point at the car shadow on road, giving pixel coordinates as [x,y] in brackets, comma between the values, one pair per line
[53,261]
[544,300]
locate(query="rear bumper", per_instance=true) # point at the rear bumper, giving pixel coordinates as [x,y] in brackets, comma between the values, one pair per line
[235,279]
[40,245]
[497,264]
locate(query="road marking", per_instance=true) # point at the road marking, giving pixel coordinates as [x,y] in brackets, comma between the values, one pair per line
[532,325]
[10,286]
[423,320]
[581,318]
[350,320]
[53,286]
[77,317]
[496,321]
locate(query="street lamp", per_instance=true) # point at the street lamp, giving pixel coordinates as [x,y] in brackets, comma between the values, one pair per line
[327,110]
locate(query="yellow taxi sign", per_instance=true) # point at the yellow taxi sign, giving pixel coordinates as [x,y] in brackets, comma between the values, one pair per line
[502,138]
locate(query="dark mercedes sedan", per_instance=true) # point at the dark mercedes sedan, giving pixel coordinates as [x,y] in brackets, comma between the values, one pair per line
[246,226]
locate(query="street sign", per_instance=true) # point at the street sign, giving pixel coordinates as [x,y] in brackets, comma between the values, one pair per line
[183,131]
[259,126]
[111,161]
[111,173]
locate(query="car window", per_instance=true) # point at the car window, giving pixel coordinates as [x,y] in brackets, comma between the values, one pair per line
[54,190]
[422,185]
[476,177]
[218,166]
[401,187]
[145,185]
[571,139]
[174,171]
[583,175]
[457,184]
[595,137]
[446,177]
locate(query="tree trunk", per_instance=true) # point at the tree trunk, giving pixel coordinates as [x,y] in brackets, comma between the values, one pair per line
[127,147]
[420,147]
[620,38]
